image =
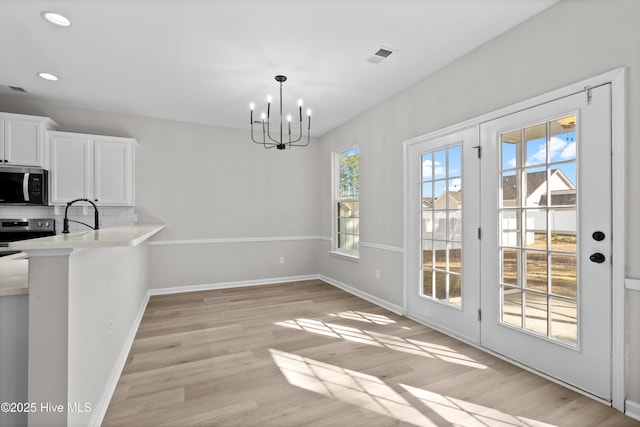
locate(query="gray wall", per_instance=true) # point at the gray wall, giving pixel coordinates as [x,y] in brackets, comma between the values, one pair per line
[569,42]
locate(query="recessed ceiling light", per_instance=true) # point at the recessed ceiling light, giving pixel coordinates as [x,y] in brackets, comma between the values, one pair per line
[56,19]
[48,76]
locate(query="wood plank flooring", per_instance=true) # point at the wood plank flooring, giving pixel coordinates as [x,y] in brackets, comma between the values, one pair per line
[309,354]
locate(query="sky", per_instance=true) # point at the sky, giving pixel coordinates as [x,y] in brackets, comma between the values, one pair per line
[562,155]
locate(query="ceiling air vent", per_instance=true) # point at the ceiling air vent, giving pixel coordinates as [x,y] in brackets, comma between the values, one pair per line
[380,55]
[8,88]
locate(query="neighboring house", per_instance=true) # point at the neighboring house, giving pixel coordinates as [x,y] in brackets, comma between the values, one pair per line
[563,193]
[561,189]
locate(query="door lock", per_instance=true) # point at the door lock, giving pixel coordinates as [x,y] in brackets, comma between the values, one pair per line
[597,258]
[598,236]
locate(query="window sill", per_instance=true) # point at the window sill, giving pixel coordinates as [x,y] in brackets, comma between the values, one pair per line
[351,256]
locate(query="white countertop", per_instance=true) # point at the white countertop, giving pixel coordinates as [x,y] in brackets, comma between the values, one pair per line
[106,237]
[14,269]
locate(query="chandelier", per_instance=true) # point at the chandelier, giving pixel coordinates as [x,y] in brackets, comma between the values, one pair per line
[280,143]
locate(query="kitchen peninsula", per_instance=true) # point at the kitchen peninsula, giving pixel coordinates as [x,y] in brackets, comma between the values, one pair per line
[86,293]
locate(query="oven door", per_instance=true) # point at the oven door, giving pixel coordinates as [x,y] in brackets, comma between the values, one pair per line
[22,186]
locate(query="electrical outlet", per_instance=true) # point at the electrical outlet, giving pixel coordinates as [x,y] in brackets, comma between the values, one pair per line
[281,260]
[110,328]
[377,274]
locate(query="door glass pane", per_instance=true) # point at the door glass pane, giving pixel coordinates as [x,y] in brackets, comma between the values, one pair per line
[562,228]
[562,141]
[510,264]
[538,217]
[563,274]
[511,227]
[455,225]
[564,320]
[441,225]
[427,254]
[536,265]
[427,283]
[511,143]
[534,185]
[441,285]
[510,189]
[535,138]
[535,312]
[535,232]
[455,290]
[455,257]
[512,306]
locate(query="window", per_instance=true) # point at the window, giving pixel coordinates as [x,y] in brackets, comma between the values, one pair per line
[346,201]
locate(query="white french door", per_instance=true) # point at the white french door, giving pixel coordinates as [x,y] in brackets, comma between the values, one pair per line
[443,184]
[546,245]
[512,250]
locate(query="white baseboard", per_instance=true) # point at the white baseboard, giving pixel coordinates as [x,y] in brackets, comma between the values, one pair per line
[100,410]
[227,285]
[357,292]
[632,409]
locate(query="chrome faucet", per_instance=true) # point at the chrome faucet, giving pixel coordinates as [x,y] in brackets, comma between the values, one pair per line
[65,227]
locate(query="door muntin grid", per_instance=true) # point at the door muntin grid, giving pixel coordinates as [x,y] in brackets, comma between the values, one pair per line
[538,230]
[441,226]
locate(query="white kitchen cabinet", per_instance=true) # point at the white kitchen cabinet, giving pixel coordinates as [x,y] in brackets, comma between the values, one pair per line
[99,168]
[23,139]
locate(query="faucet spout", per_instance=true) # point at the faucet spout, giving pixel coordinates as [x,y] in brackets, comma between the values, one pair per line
[65,227]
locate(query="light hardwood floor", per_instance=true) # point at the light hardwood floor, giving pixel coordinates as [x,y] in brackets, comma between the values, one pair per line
[309,354]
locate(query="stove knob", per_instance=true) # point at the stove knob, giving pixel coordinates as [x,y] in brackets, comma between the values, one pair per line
[46,224]
[39,224]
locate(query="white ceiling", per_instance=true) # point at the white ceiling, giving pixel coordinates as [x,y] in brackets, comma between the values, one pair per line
[204,61]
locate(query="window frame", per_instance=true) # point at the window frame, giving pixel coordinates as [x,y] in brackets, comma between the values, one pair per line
[353,255]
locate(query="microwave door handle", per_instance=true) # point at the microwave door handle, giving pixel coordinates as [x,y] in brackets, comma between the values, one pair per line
[25,187]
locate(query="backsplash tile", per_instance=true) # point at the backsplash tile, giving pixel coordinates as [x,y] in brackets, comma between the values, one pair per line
[109,216]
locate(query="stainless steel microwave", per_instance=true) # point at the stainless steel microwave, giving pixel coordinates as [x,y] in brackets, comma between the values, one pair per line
[24,186]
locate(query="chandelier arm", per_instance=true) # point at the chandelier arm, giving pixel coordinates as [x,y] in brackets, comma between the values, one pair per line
[299,138]
[275,141]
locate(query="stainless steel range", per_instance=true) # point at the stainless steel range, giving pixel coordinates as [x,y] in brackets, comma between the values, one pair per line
[12,230]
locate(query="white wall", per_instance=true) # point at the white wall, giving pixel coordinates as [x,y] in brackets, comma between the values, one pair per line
[568,42]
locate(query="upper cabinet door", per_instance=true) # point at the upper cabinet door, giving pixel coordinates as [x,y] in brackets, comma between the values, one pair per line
[23,143]
[23,140]
[113,172]
[71,168]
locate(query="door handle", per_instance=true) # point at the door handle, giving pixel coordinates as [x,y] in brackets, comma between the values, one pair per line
[597,258]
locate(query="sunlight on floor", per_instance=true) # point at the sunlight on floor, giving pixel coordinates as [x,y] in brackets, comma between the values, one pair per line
[377,339]
[352,387]
[466,414]
[378,319]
